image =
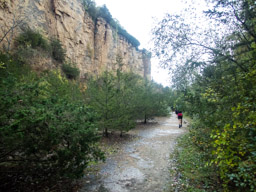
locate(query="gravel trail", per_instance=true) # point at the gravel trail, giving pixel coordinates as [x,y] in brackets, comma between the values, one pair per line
[141,164]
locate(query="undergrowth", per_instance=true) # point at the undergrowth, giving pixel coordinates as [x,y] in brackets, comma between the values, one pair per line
[191,173]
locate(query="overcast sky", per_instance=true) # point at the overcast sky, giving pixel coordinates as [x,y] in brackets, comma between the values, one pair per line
[136,16]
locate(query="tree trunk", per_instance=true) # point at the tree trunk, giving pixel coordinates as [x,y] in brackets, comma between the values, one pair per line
[106,132]
[145,119]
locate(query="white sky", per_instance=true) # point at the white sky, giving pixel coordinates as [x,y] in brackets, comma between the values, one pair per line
[136,16]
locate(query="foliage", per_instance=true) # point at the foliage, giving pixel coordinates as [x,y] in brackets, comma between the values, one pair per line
[47,132]
[58,52]
[122,98]
[30,44]
[100,93]
[216,85]
[90,7]
[124,101]
[30,38]
[24,55]
[70,70]
[150,101]
[113,99]
[104,13]
[96,12]
[130,38]
[191,168]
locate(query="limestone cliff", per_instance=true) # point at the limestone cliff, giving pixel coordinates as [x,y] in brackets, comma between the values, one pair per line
[92,46]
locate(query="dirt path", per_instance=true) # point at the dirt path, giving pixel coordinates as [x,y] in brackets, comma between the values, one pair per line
[142,164]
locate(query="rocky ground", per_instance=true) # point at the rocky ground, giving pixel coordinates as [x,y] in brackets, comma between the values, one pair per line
[138,162]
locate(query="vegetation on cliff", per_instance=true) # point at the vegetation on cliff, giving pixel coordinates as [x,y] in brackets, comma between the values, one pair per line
[95,12]
[215,81]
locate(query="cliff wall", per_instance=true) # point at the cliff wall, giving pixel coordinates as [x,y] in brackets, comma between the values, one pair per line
[92,46]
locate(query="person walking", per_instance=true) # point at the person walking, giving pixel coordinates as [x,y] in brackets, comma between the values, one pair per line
[180,118]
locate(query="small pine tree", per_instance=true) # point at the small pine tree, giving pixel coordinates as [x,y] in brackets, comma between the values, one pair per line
[58,52]
[101,94]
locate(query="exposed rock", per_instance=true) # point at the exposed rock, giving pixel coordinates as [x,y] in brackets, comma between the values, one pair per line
[93,47]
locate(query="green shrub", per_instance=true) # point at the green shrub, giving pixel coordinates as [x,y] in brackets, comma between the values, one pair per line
[129,37]
[122,98]
[104,13]
[28,41]
[70,71]
[30,38]
[58,52]
[90,7]
[192,174]
[47,133]
[24,54]
[96,12]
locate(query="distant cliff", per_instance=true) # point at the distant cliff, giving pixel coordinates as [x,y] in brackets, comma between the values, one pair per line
[92,46]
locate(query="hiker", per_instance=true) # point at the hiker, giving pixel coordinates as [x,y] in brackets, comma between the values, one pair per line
[180,118]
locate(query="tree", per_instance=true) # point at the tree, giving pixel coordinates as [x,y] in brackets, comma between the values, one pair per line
[113,97]
[185,45]
[101,94]
[124,98]
[104,13]
[90,7]
[149,101]
[215,80]
[58,52]
[47,133]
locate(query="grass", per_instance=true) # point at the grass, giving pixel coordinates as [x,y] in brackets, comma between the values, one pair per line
[191,173]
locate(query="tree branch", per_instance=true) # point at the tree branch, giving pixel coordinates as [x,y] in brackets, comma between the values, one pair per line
[247,28]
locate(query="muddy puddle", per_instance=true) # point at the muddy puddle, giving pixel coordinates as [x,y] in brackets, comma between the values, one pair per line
[141,164]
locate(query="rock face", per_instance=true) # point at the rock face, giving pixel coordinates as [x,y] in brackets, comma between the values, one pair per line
[92,46]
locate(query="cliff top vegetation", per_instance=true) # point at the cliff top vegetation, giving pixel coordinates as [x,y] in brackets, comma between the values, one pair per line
[96,12]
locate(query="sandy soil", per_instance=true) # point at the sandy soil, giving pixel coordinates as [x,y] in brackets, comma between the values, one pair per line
[140,163]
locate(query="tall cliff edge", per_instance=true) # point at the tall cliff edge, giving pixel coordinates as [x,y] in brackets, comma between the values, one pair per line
[92,46]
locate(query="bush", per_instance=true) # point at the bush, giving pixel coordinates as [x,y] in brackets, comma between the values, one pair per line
[95,12]
[192,174]
[47,133]
[28,41]
[70,71]
[30,38]
[25,54]
[30,45]
[90,7]
[104,13]
[58,52]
